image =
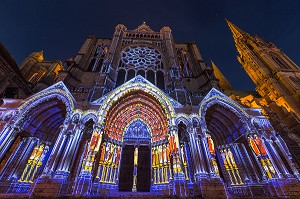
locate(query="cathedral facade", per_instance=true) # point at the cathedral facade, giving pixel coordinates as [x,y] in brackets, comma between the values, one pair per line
[141,114]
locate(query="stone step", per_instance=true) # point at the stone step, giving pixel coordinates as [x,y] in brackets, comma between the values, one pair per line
[124,195]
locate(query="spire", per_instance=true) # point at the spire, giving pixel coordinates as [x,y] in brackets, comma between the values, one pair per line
[236,31]
[223,82]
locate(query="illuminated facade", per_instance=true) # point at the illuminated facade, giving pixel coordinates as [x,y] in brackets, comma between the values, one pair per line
[276,76]
[138,113]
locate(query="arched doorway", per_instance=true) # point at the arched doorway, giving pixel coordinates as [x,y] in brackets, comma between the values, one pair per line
[32,142]
[136,158]
[137,123]
[134,101]
[225,131]
[232,157]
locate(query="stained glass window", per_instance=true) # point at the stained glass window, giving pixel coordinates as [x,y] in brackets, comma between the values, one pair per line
[142,57]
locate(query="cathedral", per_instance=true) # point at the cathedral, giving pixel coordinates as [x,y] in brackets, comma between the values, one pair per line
[139,114]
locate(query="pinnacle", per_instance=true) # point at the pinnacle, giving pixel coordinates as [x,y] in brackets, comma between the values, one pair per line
[224,83]
[236,31]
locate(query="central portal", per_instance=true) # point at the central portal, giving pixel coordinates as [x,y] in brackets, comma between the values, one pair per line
[135,170]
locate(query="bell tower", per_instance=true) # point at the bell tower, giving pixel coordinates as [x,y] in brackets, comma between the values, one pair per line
[276,76]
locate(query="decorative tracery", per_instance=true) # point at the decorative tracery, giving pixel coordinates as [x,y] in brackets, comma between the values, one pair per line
[142,57]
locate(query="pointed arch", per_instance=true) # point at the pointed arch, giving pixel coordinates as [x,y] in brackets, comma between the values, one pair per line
[136,105]
[138,83]
[216,97]
[136,99]
[90,115]
[58,91]
[182,118]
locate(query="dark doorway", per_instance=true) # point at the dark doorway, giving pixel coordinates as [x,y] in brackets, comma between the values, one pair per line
[126,170]
[144,170]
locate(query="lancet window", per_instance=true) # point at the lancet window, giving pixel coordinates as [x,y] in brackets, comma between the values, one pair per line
[141,60]
[184,63]
[98,58]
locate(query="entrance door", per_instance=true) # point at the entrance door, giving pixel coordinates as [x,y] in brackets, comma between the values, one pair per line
[144,169]
[126,170]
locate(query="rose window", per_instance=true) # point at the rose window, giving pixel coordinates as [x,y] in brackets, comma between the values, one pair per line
[141,57]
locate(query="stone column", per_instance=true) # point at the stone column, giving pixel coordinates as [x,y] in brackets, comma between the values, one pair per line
[118,168]
[47,185]
[135,164]
[56,152]
[60,173]
[288,158]
[262,170]
[178,183]
[208,186]
[201,155]
[176,149]
[4,135]
[84,180]
[74,147]
[92,150]
[246,173]
[17,161]
[272,160]
[195,150]
[251,163]
[7,136]
[211,170]
[278,158]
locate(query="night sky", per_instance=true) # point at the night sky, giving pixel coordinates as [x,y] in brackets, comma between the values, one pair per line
[59,27]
